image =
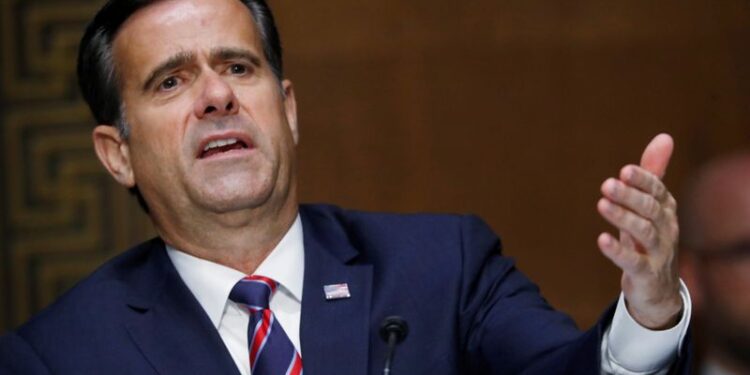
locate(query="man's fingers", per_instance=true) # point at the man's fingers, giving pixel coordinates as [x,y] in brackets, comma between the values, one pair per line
[656,156]
[626,259]
[663,216]
[626,241]
[641,229]
[647,182]
[633,199]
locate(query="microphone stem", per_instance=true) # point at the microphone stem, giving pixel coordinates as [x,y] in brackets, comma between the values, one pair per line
[389,356]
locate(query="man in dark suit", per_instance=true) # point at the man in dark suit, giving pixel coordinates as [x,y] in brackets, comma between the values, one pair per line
[198,120]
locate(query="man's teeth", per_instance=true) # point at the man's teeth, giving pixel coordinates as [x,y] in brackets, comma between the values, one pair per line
[220,143]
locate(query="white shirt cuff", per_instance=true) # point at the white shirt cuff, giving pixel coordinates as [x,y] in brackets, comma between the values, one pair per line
[629,348]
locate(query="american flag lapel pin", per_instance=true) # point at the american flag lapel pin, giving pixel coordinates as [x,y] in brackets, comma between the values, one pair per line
[336,291]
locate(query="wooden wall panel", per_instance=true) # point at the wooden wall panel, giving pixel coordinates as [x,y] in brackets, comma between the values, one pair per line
[515,110]
[62,215]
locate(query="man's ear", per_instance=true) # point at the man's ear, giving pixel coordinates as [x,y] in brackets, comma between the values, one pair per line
[114,153]
[290,108]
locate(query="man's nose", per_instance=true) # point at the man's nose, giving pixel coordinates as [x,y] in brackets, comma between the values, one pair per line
[217,98]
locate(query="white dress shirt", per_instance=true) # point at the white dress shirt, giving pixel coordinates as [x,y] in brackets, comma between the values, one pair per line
[627,348]
[211,283]
[630,349]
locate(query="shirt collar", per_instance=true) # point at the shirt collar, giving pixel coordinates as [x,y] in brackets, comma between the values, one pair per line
[211,282]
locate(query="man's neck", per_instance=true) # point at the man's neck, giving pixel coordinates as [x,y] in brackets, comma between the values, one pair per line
[240,240]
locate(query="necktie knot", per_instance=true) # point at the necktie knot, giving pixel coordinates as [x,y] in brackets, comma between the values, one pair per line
[254,292]
[271,351]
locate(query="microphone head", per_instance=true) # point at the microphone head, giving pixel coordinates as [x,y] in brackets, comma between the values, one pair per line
[395,325]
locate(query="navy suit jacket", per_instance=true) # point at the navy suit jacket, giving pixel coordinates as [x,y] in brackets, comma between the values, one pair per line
[469,310]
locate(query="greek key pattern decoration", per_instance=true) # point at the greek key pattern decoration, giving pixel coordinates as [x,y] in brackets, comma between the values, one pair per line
[61,215]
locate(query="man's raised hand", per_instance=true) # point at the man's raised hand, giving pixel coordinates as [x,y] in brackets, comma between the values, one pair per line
[644,211]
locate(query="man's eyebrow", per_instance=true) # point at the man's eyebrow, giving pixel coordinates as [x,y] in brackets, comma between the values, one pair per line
[225,53]
[171,63]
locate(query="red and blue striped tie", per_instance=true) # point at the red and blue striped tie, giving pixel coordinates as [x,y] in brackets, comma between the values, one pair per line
[271,351]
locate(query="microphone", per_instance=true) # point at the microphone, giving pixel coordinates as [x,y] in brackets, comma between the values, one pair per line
[393,330]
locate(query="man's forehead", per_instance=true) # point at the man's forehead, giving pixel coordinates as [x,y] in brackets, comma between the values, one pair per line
[724,183]
[168,27]
[166,14]
[722,204]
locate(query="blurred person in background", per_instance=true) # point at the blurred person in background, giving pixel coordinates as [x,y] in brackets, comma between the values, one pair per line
[715,237]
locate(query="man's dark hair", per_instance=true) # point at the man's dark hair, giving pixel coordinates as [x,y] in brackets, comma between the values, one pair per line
[98,78]
[97,74]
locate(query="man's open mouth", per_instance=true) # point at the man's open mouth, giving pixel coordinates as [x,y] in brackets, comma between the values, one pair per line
[219,146]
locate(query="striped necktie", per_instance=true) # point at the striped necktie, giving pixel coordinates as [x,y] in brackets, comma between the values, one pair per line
[271,351]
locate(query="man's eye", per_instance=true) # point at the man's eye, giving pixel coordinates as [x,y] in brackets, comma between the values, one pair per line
[169,84]
[237,69]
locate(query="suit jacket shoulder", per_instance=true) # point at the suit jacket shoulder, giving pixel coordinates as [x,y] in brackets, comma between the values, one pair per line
[446,274]
[134,315]
[469,309]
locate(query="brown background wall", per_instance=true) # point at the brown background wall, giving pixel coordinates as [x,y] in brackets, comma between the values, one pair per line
[515,110]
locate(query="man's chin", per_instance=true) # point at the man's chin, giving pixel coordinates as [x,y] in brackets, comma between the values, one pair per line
[240,201]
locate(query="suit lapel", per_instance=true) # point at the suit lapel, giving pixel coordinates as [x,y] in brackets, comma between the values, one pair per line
[334,334]
[169,325]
